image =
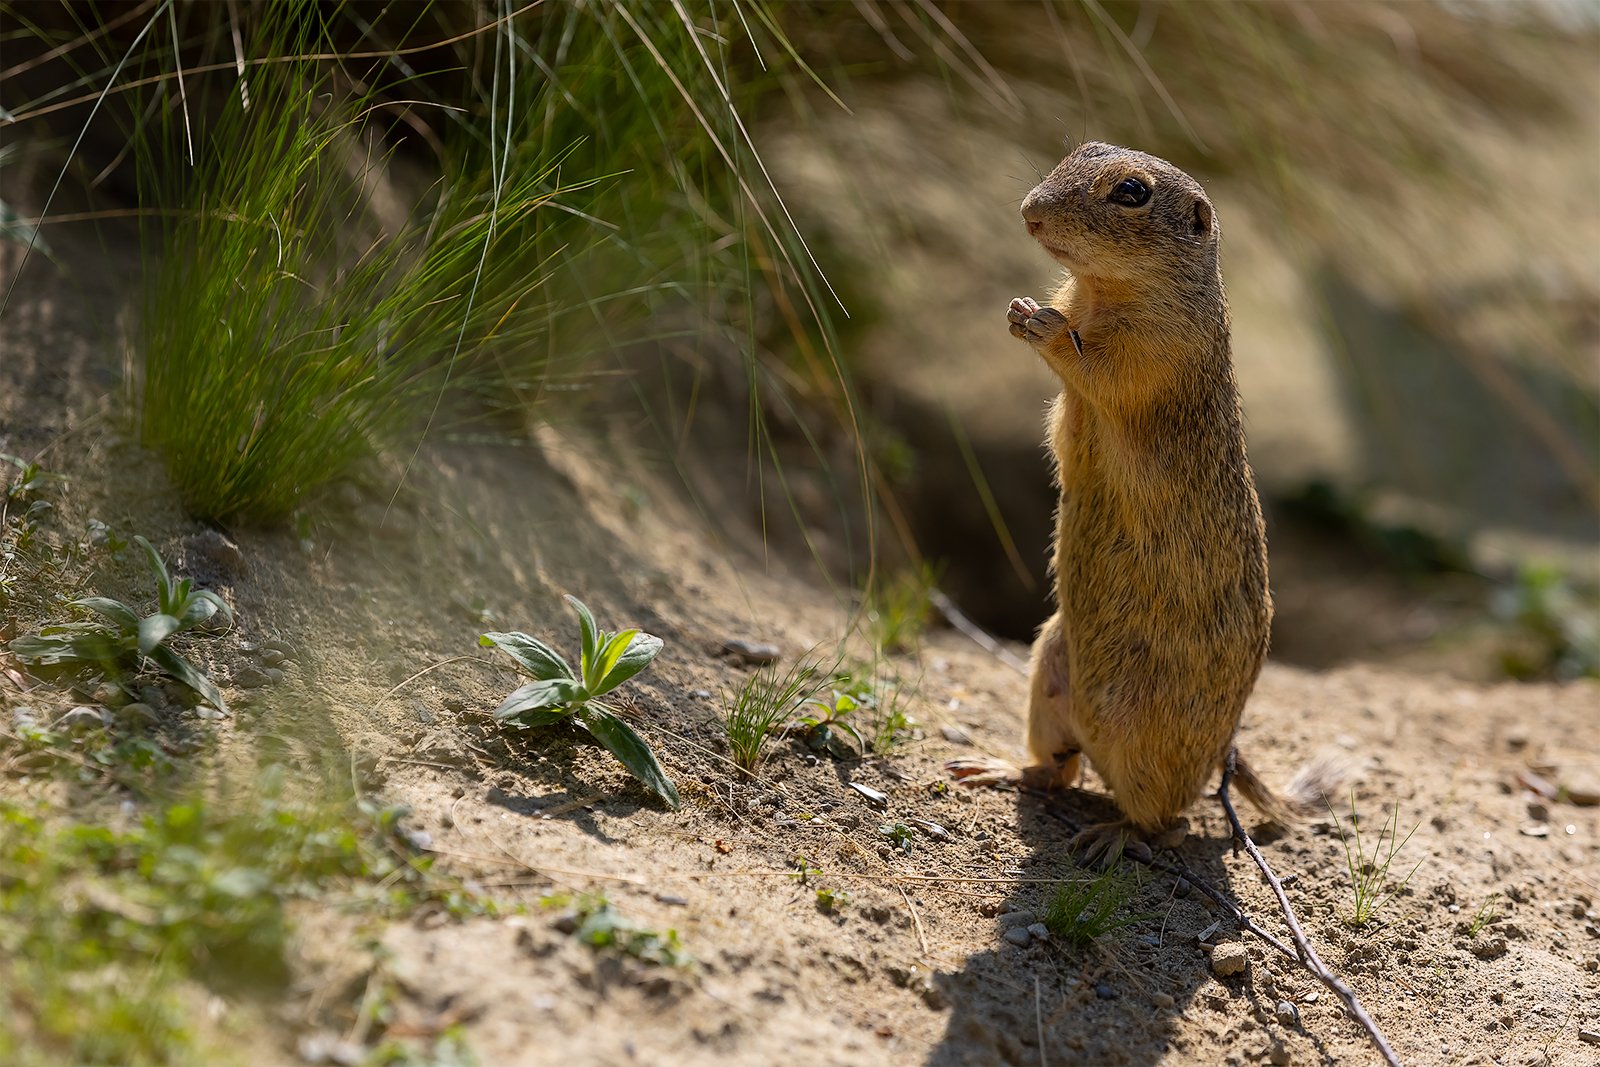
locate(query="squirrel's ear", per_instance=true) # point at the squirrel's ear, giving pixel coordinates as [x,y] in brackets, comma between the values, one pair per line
[1200,217]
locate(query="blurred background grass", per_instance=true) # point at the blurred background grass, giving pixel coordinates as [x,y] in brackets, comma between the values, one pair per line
[770,245]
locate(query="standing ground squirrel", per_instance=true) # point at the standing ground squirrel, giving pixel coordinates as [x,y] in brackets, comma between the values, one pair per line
[1160,552]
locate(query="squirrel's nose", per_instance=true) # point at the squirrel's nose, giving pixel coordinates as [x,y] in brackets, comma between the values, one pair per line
[1034,226]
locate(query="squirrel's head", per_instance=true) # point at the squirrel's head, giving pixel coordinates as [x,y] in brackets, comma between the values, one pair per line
[1115,213]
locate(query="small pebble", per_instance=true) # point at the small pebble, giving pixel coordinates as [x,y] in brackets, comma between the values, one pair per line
[112,696]
[872,796]
[1230,958]
[1589,1037]
[272,658]
[281,647]
[1040,931]
[1278,1054]
[1162,1000]
[1286,1013]
[153,696]
[1181,888]
[210,714]
[137,714]
[1015,918]
[274,676]
[82,717]
[1312,997]
[212,553]
[1104,992]
[668,898]
[1019,936]
[703,694]
[955,735]
[249,678]
[752,653]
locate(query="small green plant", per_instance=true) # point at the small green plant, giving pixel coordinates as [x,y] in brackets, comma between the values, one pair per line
[601,925]
[900,835]
[891,727]
[1078,912]
[130,639]
[764,700]
[1562,625]
[896,612]
[1487,913]
[823,721]
[1368,874]
[558,695]
[31,480]
[832,900]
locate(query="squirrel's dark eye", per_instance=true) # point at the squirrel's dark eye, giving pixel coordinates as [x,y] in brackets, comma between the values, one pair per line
[1130,192]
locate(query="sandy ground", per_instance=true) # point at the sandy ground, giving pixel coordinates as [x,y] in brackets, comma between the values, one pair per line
[914,968]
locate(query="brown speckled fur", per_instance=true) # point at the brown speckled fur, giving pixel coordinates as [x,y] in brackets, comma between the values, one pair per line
[1160,560]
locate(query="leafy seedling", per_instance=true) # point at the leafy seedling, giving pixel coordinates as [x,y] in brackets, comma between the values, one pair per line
[131,639]
[32,478]
[1368,874]
[832,900]
[823,724]
[558,695]
[900,835]
[601,925]
[1081,911]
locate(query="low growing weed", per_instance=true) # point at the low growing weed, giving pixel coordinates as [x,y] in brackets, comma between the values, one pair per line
[600,925]
[1368,874]
[558,695]
[1078,912]
[99,926]
[764,701]
[129,639]
[1487,913]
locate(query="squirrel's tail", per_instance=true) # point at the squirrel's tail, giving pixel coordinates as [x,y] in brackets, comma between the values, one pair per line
[1307,794]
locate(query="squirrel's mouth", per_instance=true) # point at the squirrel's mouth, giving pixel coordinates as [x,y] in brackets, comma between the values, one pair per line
[1060,255]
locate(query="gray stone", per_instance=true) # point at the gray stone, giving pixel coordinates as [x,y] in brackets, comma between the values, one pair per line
[1278,1054]
[271,658]
[1287,1014]
[112,696]
[758,655]
[1015,918]
[1230,958]
[1105,992]
[82,717]
[1019,936]
[249,678]
[210,714]
[137,715]
[281,647]
[154,696]
[1040,931]
[425,714]
[1589,1037]
[1162,1000]
[274,676]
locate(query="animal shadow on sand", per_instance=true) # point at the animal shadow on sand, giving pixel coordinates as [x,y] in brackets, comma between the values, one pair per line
[1109,1003]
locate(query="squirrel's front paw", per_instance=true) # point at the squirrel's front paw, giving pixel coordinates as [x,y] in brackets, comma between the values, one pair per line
[1034,324]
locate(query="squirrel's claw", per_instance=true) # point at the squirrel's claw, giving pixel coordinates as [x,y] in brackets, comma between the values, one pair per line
[1034,324]
[983,771]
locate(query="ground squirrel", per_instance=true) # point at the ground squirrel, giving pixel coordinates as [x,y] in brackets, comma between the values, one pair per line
[1160,552]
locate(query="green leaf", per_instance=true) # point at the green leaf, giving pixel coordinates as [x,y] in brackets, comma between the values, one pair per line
[91,646]
[163,581]
[115,610]
[590,633]
[540,717]
[188,674]
[534,696]
[45,651]
[631,749]
[156,629]
[611,648]
[200,606]
[642,648]
[535,657]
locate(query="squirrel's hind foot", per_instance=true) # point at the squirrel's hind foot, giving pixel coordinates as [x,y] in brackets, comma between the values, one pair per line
[1110,839]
